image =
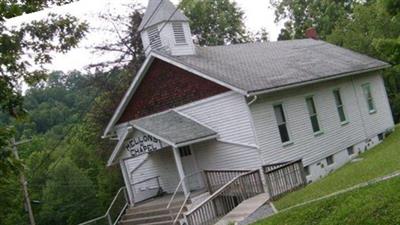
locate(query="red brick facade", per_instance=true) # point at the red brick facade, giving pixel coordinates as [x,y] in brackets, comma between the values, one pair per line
[166,86]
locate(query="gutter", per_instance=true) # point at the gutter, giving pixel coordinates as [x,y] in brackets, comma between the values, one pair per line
[265,91]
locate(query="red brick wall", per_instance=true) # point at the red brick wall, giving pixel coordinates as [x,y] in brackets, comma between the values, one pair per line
[166,86]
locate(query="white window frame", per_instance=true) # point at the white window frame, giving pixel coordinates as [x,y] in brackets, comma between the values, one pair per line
[367,91]
[320,131]
[350,149]
[289,142]
[307,171]
[333,160]
[185,151]
[346,120]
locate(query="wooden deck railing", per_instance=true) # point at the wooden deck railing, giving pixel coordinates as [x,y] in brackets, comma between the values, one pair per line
[222,201]
[215,179]
[284,177]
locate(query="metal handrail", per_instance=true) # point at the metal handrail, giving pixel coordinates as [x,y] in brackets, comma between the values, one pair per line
[181,209]
[145,180]
[107,214]
[179,185]
[134,189]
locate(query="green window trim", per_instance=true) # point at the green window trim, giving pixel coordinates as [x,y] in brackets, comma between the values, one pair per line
[369,98]
[313,114]
[340,107]
[281,120]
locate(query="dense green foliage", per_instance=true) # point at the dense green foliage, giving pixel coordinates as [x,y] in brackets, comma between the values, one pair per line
[38,39]
[303,14]
[65,116]
[68,180]
[371,27]
[376,204]
[218,22]
[215,22]
[380,161]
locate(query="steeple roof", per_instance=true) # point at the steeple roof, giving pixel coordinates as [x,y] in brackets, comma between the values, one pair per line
[160,11]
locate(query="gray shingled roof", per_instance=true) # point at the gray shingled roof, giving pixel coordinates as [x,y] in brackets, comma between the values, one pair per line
[157,13]
[174,128]
[262,66]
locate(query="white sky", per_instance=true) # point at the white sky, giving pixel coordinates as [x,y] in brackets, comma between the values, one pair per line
[258,14]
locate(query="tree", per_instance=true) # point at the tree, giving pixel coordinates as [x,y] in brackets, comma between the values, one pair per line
[371,27]
[77,202]
[37,40]
[374,29]
[303,14]
[215,22]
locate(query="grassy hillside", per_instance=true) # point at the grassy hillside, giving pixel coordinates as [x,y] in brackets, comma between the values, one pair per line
[379,161]
[376,204]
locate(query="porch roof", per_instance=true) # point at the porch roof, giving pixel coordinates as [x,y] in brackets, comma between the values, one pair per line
[174,128]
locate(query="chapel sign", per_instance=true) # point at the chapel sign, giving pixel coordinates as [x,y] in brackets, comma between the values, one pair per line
[143,144]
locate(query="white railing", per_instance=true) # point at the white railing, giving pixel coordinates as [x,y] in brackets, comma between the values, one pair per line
[114,211]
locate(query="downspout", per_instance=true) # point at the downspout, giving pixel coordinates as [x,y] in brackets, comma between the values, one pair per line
[262,161]
[253,100]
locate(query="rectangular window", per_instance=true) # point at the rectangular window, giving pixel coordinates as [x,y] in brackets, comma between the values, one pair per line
[179,33]
[313,114]
[184,151]
[282,124]
[340,106]
[307,170]
[350,150]
[368,97]
[154,37]
[381,136]
[330,160]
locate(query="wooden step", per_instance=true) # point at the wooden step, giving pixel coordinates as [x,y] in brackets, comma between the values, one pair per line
[155,206]
[152,219]
[151,212]
[167,222]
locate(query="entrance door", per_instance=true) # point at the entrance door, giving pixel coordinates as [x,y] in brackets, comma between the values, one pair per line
[190,167]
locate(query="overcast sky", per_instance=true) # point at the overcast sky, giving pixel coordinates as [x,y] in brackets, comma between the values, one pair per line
[258,14]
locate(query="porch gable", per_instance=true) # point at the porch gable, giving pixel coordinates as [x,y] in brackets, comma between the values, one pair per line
[164,87]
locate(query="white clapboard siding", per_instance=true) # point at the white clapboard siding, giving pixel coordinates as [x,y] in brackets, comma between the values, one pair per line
[160,163]
[376,122]
[215,155]
[227,114]
[336,137]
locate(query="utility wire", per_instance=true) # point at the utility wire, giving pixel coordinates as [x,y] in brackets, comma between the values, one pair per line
[163,26]
[159,31]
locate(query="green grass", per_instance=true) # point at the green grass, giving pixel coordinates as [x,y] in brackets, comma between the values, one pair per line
[372,205]
[379,161]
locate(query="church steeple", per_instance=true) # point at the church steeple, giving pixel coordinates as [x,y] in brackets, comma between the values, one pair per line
[165,28]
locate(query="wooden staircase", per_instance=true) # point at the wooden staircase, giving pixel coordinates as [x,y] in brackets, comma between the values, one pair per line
[154,212]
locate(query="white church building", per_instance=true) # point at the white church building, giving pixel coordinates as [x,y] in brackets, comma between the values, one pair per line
[227,123]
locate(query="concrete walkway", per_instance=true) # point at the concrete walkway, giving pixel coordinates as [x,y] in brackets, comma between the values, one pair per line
[244,209]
